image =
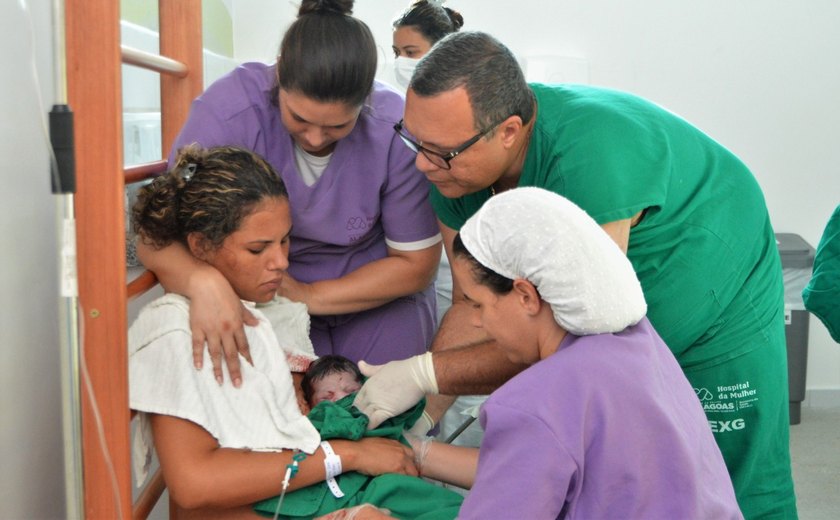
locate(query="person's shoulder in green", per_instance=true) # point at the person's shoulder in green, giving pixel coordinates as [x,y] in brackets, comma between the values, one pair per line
[604,149]
[822,294]
[454,212]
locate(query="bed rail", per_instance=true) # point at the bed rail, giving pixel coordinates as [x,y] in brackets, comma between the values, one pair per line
[149,497]
[142,172]
[153,62]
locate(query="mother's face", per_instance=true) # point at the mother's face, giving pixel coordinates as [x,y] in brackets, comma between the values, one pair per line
[254,258]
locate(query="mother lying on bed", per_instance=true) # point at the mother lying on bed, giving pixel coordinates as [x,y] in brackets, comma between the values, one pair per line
[222,448]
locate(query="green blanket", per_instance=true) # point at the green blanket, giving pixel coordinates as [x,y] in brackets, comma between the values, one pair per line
[406,497]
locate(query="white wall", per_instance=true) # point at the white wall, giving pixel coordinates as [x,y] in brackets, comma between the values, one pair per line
[31,468]
[760,76]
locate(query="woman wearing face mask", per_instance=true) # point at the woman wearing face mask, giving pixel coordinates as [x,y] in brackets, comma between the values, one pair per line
[365,244]
[416,30]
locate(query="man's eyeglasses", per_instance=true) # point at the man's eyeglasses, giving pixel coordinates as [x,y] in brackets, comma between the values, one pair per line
[440,159]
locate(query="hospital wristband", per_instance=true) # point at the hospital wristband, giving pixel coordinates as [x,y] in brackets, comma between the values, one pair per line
[332,467]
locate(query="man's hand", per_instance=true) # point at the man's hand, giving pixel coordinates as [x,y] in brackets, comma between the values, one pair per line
[395,387]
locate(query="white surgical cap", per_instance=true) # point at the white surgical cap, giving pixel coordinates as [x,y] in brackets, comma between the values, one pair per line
[577,268]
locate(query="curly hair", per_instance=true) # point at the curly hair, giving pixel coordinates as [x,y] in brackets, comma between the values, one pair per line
[208,191]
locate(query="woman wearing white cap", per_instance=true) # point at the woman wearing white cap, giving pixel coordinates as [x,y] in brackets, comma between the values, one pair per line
[603,424]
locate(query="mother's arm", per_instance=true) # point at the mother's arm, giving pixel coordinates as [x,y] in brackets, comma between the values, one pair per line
[401,273]
[200,474]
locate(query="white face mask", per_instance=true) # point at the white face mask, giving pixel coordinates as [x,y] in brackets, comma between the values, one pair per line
[403,69]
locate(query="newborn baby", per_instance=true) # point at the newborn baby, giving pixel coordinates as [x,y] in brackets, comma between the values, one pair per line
[329,378]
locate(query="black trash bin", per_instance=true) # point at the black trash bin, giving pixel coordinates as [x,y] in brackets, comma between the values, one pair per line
[797,264]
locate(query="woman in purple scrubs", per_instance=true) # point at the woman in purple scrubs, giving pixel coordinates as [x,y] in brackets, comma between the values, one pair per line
[603,423]
[365,243]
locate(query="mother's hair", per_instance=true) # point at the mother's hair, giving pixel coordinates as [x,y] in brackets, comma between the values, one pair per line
[208,191]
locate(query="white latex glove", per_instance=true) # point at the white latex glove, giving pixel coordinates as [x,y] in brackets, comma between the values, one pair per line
[422,426]
[421,445]
[395,387]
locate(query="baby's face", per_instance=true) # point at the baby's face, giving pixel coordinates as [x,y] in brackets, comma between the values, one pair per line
[333,387]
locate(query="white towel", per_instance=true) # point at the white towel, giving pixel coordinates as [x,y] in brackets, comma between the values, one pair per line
[262,414]
[290,321]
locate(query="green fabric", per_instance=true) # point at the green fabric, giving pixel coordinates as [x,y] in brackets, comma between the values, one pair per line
[740,398]
[822,294]
[406,497]
[342,420]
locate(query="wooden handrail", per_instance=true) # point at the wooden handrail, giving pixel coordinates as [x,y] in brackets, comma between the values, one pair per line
[144,171]
[141,284]
[94,55]
[148,498]
[155,62]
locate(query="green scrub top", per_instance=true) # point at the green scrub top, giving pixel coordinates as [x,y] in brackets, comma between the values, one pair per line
[705,234]
[822,294]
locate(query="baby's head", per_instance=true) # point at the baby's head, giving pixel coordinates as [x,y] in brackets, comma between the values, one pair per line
[329,378]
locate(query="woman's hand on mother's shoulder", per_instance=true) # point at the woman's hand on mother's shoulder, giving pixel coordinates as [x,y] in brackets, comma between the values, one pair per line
[297,292]
[217,319]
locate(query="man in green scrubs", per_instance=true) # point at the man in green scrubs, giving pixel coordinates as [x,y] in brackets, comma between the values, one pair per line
[688,213]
